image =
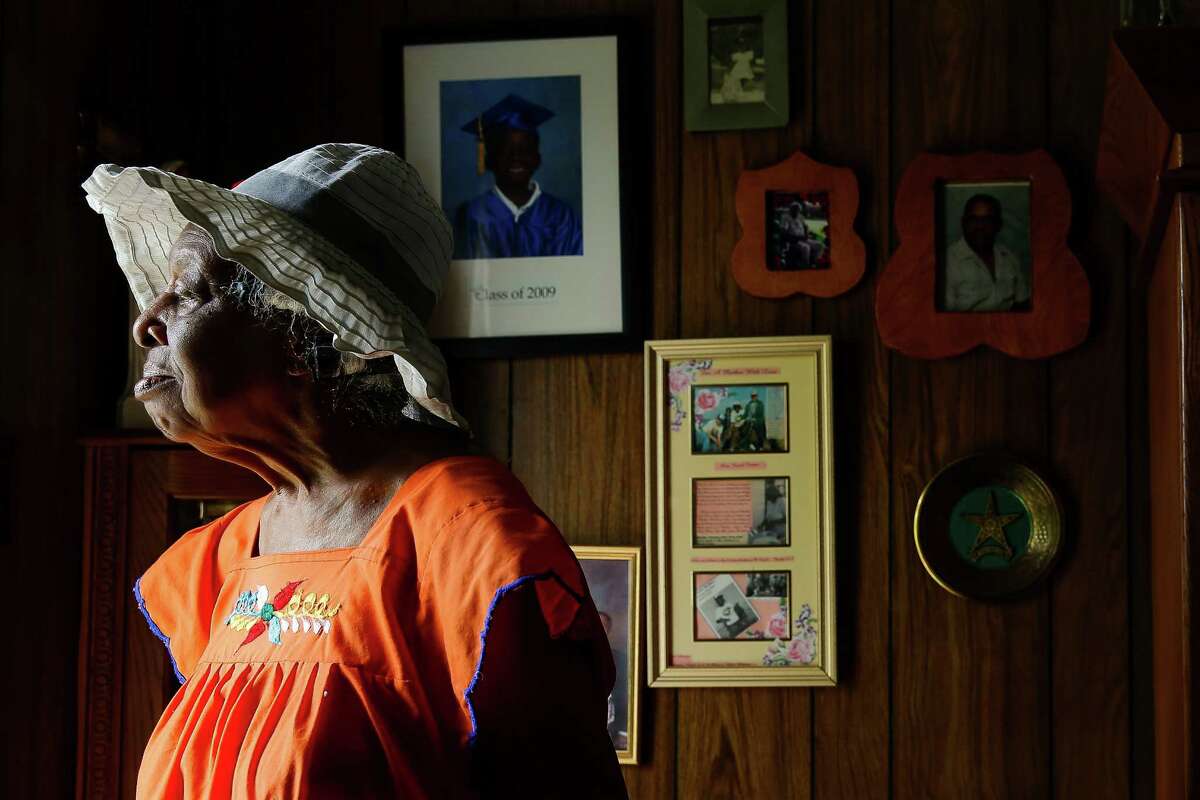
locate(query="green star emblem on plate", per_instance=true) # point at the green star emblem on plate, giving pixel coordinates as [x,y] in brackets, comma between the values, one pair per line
[991,539]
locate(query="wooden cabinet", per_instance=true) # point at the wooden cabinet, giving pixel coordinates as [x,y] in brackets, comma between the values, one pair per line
[1149,165]
[141,493]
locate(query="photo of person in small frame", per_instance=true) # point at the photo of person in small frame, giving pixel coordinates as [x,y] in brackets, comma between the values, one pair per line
[985,247]
[736,62]
[771,527]
[742,605]
[767,584]
[608,581]
[797,230]
[728,613]
[520,195]
[739,419]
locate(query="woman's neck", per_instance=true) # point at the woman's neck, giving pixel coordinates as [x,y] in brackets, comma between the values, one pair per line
[307,458]
[330,497]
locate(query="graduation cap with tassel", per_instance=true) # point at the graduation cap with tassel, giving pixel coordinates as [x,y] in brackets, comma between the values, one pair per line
[513,112]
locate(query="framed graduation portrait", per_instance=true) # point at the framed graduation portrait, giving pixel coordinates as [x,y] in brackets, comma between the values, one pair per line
[521,136]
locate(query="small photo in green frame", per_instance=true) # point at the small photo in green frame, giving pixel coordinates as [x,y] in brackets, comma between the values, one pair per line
[735,62]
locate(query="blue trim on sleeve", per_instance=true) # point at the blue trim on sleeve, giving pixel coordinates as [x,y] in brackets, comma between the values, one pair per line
[157,631]
[487,624]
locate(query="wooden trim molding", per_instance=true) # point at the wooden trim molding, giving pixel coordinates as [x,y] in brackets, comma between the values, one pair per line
[102,628]
[1173,363]
[1187,236]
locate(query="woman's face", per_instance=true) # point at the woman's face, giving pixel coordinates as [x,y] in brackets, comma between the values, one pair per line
[211,371]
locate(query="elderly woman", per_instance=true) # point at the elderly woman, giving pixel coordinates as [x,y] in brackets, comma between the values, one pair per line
[396,618]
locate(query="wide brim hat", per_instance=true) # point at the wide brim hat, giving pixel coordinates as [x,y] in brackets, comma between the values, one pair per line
[348,231]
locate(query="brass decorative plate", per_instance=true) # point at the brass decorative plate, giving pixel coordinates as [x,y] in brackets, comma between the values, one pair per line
[987,527]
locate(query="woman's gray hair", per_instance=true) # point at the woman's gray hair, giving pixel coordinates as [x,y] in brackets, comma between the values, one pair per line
[364,392]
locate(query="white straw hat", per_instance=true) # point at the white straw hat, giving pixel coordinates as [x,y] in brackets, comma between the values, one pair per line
[346,230]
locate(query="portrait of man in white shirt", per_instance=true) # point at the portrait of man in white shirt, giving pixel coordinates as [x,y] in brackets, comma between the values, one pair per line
[980,273]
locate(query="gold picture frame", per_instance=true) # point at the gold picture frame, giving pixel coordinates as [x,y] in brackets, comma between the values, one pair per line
[611,588]
[739,513]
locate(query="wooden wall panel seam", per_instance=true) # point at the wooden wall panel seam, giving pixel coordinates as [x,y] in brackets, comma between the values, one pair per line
[508,461]
[81,678]
[1089,432]
[887,240]
[892,539]
[887,236]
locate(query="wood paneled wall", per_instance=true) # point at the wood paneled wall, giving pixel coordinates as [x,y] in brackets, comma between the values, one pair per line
[940,697]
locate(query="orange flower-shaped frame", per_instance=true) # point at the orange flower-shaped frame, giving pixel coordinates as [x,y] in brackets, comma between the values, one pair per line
[905,299]
[847,254]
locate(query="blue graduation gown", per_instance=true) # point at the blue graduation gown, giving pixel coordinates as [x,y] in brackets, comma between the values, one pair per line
[485,228]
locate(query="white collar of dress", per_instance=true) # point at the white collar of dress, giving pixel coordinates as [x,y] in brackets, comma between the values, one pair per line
[513,208]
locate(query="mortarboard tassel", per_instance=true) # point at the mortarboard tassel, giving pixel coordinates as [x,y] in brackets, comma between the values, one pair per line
[480,149]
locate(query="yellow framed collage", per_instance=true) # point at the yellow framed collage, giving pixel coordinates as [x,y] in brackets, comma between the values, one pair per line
[739,504]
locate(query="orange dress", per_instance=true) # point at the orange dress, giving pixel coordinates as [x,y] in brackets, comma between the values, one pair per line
[353,672]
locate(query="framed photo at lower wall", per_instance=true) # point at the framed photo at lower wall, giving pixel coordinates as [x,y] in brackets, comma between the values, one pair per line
[740,534]
[614,576]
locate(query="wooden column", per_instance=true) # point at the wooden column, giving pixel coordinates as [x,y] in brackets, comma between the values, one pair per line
[1148,165]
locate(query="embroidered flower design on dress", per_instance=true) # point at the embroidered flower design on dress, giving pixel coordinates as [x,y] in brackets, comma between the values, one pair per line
[289,611]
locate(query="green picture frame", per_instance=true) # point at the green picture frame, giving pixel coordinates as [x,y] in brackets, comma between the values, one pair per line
[766,105]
